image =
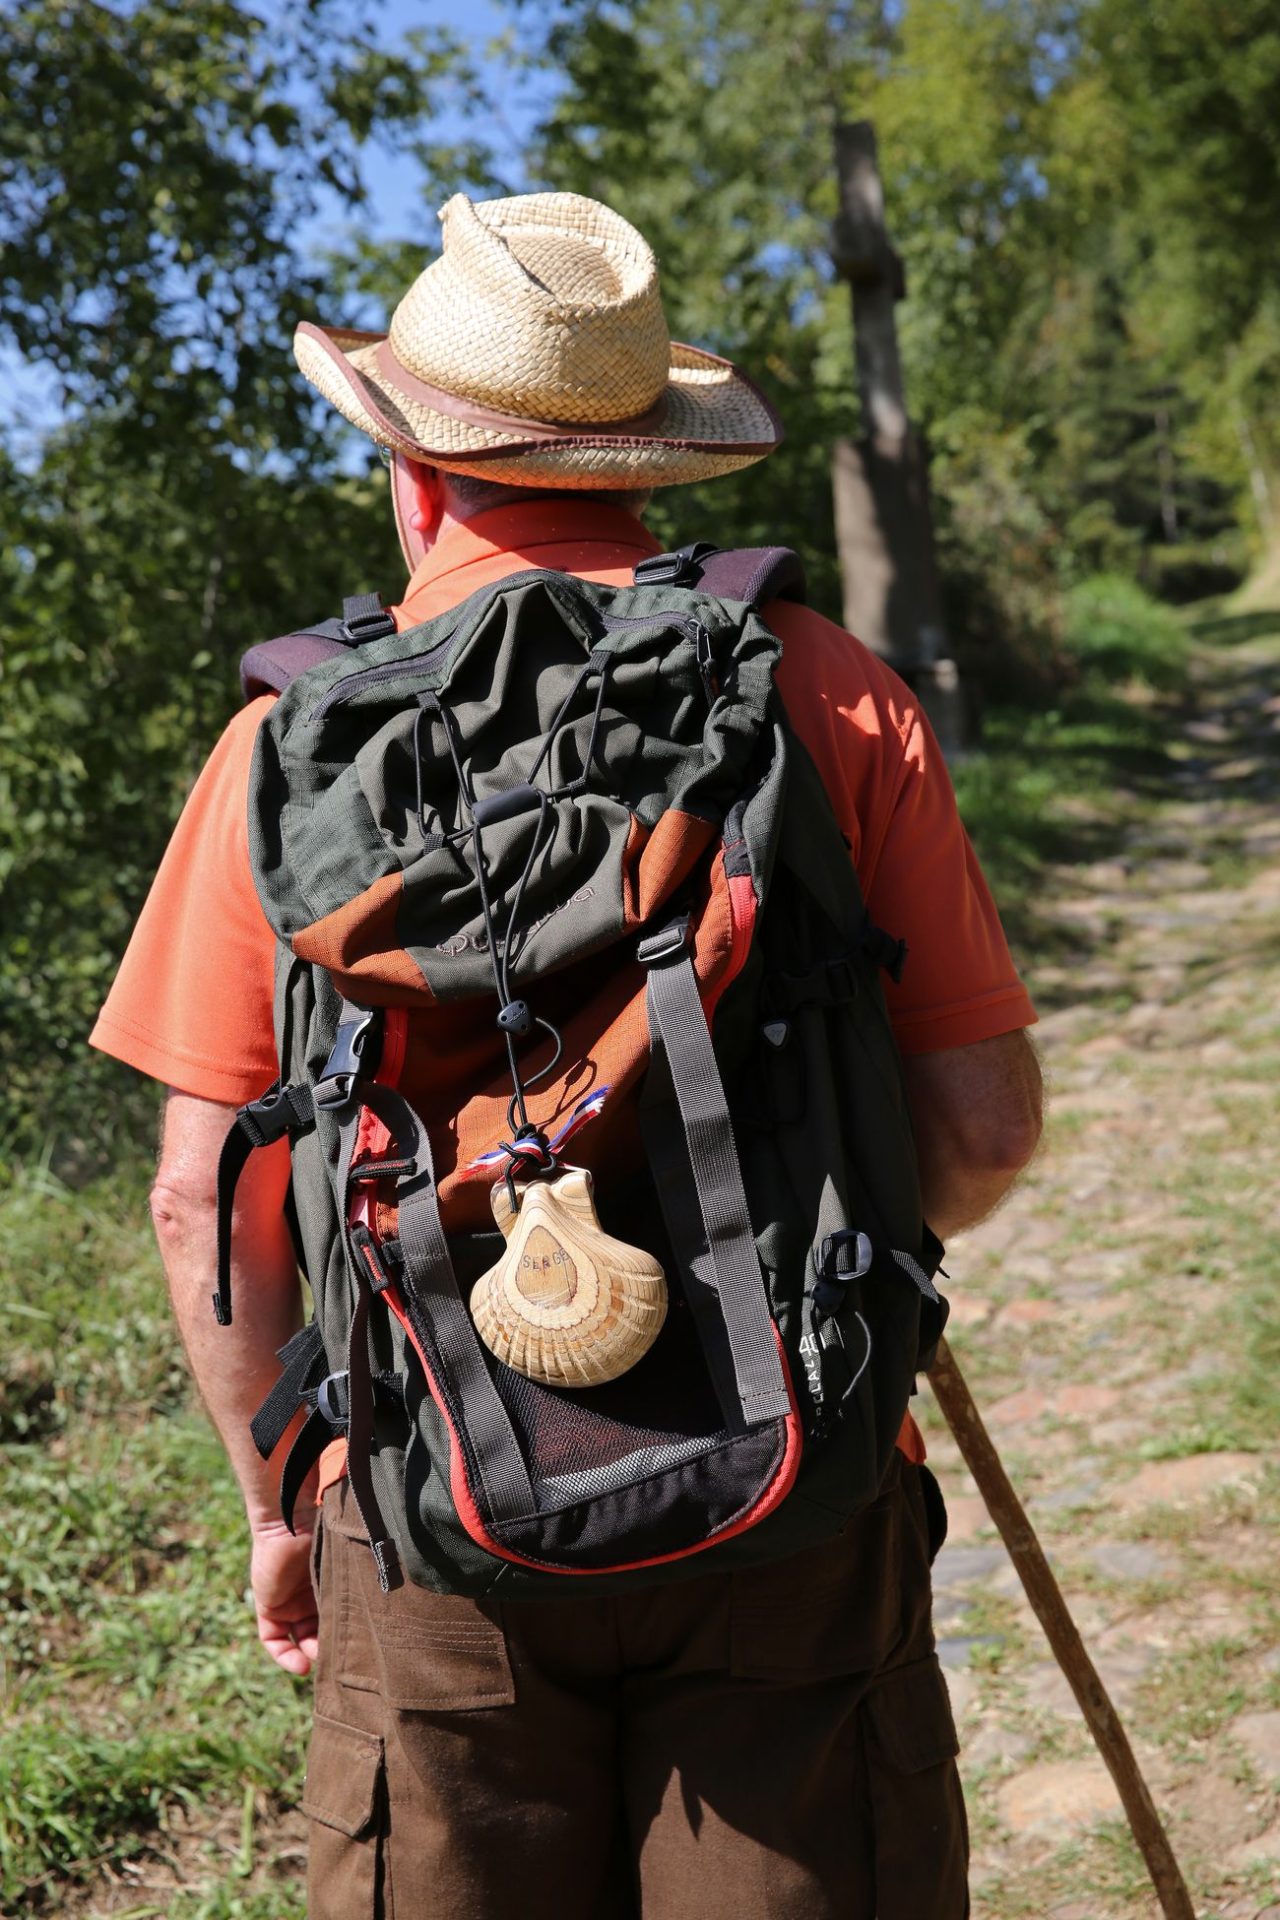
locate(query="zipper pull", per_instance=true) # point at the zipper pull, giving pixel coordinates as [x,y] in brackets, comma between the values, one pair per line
[706,663]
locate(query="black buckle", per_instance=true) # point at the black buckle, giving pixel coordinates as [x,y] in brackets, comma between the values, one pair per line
[365,618]
[272,1115]
[356,1047]
[667,944]
[680,569]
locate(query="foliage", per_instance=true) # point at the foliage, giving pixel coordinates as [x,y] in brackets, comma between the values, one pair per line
[1043,788]
[1119,633]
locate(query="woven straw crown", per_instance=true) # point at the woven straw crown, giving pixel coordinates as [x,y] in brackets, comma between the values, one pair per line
[535,351]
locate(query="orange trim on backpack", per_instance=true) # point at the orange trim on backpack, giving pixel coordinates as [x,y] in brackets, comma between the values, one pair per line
[657,860]
[359,945]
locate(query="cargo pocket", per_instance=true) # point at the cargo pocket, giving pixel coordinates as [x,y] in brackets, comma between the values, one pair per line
[829,1610]
[916,1802]
[344,1799]
[440,1653]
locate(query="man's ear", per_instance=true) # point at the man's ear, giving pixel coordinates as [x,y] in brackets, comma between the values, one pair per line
[417,499]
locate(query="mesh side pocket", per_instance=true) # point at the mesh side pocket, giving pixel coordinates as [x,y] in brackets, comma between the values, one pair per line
[579,1443]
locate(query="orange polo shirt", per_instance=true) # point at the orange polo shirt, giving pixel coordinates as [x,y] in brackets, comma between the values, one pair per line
[192,1003]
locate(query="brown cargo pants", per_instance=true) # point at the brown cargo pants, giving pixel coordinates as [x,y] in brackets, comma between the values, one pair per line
[769,1745]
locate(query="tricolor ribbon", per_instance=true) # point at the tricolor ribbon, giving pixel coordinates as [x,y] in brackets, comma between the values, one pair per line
[585,1110]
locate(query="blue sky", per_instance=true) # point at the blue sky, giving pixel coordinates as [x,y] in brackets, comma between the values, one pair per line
[395,206]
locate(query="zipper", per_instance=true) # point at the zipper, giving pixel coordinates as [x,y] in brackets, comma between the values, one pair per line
[688,623]
[390,670]
[393,669]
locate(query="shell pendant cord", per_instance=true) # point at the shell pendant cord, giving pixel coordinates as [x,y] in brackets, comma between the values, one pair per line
[1042,1590]
[529,1147]
[566,1305]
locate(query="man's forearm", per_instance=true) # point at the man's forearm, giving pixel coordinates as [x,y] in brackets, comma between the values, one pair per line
[976,1113]
[235,1366]
[956,1197]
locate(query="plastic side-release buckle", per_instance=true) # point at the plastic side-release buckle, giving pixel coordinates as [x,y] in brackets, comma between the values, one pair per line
[354,1056]
[667,944]
[278,1111]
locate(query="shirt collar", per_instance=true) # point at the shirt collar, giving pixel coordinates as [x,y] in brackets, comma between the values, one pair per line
[587,536]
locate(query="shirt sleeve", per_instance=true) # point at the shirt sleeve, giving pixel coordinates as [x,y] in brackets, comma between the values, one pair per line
[192,1002]
[959,984]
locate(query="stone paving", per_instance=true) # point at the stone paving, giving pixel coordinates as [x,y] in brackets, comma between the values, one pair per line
[1118,1322]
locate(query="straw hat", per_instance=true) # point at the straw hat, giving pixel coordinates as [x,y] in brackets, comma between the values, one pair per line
[535,352]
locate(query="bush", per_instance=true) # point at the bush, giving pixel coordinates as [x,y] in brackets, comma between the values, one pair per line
[999,561]
[1117,633]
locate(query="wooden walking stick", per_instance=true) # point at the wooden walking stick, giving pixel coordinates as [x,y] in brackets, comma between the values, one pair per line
[1045,1595]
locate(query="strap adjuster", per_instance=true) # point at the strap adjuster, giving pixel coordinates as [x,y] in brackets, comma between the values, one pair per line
[365,618]
[680,569]
[667,944]
[333,1399]
[843,1258]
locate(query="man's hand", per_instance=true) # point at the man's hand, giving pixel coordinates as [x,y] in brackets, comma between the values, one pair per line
[280,1574]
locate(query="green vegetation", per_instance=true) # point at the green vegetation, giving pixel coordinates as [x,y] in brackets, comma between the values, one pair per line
[133,1679]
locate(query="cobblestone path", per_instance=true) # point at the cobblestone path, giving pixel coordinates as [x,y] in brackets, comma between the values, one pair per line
[1119,1322]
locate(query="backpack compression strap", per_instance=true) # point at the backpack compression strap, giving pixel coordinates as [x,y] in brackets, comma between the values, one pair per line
[273,664]
[753,574]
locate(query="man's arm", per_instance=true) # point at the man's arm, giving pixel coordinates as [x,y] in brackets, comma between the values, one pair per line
[235,1366]
[977,1115]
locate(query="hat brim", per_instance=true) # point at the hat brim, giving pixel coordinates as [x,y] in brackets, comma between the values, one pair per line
[713,420]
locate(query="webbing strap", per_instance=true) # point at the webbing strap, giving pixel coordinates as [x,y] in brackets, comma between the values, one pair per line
[664,1145]
[304,1366]
[434,1295]
[360,1430]
[916,1273]
[310,1441]
[678,1026]
[280,1110]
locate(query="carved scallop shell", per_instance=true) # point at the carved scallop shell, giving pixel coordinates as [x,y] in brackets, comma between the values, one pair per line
[566,1304]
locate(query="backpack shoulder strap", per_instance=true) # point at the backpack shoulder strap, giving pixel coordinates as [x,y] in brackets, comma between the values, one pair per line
[273,664]
[753,574]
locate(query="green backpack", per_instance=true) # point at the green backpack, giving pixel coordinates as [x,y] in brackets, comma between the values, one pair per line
[552,870]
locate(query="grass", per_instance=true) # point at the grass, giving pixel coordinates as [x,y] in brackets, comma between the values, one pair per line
[133,1678]
[1043,789]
